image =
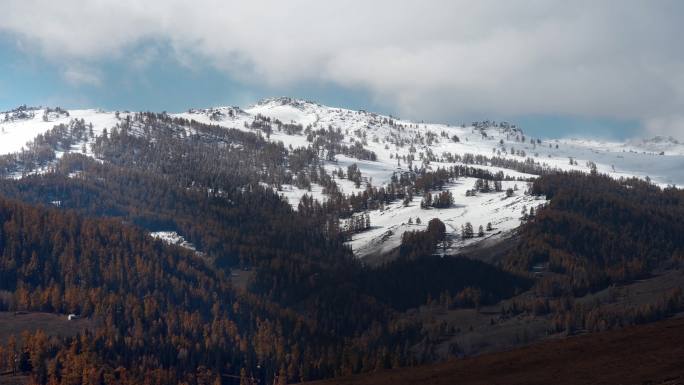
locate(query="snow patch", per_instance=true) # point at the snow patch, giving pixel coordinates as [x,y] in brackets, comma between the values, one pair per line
[173,238]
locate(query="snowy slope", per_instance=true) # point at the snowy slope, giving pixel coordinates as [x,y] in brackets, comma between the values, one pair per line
[16,133]
[379,135]
[502,212]
[662,159]
[659,144]
[639,158]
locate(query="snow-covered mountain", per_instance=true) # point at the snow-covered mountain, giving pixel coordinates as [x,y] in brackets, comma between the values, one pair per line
[398,146]
[665,145]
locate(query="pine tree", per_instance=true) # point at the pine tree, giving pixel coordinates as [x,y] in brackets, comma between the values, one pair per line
[468,231]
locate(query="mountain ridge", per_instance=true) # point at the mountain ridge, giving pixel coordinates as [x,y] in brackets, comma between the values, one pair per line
[383,147]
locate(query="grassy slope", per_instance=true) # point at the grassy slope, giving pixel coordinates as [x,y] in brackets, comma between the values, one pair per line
[51,324]
[651,354]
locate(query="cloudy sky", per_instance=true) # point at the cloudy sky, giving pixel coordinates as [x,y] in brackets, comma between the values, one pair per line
[605,68]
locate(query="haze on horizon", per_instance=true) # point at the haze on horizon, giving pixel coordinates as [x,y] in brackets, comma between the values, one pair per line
[608,68]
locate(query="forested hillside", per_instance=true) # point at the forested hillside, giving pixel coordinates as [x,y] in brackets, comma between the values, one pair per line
[598,231]
[264,288]
[311,311]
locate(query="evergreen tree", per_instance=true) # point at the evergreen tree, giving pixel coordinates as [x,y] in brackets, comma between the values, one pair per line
[467,231]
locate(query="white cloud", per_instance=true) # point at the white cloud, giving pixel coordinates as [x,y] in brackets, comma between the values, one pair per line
[432,59]
[81,76]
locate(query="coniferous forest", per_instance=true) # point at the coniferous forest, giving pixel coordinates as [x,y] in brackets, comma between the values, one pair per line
[75,240]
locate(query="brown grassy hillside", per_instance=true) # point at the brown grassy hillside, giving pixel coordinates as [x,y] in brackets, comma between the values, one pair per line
[650,354]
